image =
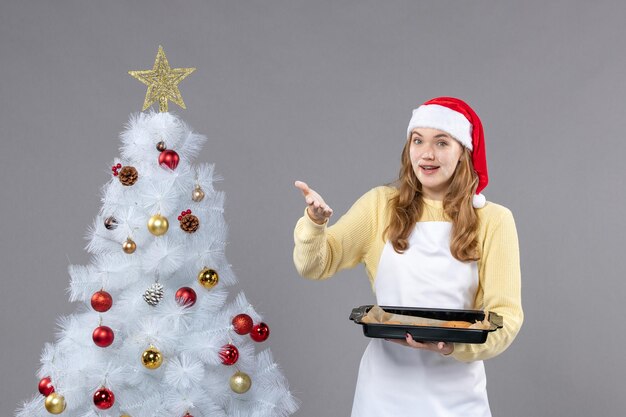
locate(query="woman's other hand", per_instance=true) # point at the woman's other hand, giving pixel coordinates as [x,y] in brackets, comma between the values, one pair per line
[317,209]
[440,347]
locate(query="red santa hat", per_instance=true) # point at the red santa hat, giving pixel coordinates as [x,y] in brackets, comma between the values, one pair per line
[456,117]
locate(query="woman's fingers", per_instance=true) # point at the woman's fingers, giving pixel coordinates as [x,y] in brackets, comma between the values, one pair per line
[310,196]
[302,186]
[321,209]
[439,347]
[398,341]
[414,343]
[317,207]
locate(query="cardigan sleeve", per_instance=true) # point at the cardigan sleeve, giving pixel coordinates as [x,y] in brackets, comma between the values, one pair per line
[500,287]
[320,251]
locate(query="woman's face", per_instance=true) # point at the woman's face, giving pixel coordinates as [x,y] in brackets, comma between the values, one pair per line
[434,156]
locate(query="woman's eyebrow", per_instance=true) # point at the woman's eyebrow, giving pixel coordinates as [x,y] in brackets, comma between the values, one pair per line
[439,136]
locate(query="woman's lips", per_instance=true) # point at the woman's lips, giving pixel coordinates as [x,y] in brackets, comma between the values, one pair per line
[428,169]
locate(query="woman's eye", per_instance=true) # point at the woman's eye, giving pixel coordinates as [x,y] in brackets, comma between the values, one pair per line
[417,141]
[442,143]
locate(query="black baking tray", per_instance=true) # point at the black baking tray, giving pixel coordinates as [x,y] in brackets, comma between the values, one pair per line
[428,333]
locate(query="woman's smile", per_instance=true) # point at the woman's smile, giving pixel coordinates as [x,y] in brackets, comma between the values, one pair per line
[429,169]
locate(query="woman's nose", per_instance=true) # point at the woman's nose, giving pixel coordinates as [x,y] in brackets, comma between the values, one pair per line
[428,154]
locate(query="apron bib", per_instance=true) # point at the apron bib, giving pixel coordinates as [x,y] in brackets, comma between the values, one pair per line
[400,381]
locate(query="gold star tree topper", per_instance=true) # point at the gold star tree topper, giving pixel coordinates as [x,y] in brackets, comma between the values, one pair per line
[162,82]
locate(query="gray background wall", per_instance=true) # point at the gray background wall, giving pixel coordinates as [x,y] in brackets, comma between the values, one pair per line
[322,91]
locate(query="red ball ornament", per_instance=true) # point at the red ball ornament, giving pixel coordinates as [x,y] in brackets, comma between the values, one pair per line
[186,297]
[229,354]
[103,336]
[242,323]
[101,301]
[260,332]
[169,158]
[45,386]
[104,398]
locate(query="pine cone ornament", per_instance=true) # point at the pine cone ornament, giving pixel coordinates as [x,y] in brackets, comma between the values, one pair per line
[154,294]
[128,175]
[188,222]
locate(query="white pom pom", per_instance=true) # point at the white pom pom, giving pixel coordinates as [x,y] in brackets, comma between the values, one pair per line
[184,372]
[478,201]
[164,255]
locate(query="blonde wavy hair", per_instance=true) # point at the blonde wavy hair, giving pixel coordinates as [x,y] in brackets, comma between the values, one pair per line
[407,208]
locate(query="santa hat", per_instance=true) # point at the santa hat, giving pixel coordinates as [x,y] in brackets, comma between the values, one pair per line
[456,118]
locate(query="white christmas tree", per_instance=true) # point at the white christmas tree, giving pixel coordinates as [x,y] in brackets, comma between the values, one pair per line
[156,333]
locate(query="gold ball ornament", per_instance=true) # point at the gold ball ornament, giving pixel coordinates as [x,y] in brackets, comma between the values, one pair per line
[161,146]
[129,246]
[158,225]
[197,195]
[151,358]
[240,382]
[55,403]
[208,278]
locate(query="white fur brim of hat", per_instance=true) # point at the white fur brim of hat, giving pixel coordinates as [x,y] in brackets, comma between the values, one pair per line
[439,117]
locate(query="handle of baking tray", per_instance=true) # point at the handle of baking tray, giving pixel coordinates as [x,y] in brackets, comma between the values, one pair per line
[496,319]
[359,312]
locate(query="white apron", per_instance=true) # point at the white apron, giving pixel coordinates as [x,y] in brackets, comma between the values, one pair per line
[401,381]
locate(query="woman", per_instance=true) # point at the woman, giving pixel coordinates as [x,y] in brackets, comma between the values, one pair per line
[431,240]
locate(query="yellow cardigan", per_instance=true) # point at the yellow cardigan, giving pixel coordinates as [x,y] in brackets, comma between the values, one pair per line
[321,251]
